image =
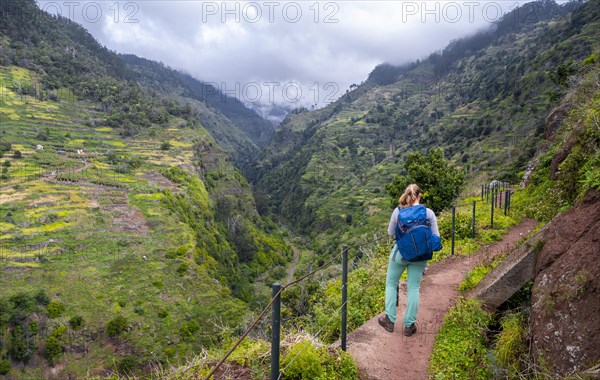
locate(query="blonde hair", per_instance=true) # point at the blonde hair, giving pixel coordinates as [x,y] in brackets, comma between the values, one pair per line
[411,194]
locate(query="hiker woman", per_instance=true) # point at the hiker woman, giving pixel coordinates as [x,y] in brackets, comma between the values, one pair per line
[410,211]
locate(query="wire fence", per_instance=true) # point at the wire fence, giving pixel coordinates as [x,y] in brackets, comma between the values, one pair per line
[497,194]
[274,304]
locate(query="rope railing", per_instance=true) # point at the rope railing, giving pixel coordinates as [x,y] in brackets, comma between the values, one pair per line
[373,281]
[489,193]
[276,297]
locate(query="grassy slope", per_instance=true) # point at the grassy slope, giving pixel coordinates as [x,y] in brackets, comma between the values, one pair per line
[84,239]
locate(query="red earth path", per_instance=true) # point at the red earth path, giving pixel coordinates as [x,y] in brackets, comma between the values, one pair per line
[392,356]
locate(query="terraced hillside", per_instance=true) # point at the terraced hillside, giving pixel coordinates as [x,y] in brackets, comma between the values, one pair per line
[127,236]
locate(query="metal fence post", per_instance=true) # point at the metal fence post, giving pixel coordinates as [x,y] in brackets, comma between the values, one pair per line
[473,224]
[492,216]
[453,225]
[276,326]
[344,294]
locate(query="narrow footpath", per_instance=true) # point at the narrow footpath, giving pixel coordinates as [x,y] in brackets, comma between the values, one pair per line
[381,355]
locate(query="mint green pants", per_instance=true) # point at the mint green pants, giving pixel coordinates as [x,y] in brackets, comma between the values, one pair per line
[415,273]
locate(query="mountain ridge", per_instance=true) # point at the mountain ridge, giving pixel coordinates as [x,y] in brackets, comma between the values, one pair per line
[487,121]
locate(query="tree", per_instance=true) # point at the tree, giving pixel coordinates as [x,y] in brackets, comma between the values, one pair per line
[437,178]
[20,345]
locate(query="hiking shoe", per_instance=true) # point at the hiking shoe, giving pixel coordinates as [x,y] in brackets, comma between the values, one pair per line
[408,331]
[385,322]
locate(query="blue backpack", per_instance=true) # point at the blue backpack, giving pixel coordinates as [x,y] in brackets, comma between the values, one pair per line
[414,238]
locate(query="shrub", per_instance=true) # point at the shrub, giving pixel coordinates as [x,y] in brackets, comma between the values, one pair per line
[76,322]
[34,328]
[22,301]
[42,298]
[165,145]
[127,364]
[302,362]
[188,329]
[17,154]
[122,303]
[5,311]
[193,326]
[305,361]
[182,250]
[20,346]
[183,267]
[53,350]
[59,332]
[55,309]
[158,284]
[162,313]
[463,227]
[4,367]
[116,326]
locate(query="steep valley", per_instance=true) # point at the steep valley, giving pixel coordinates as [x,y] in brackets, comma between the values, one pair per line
[144,215]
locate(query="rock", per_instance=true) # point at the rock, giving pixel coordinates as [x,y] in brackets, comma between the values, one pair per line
[565,311]
[554,121]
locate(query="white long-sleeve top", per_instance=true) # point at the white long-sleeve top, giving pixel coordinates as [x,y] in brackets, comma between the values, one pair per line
[430,217]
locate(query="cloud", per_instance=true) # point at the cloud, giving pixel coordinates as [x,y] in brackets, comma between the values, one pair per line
[315,44]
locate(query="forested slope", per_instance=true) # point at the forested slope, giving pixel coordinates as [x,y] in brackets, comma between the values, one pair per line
[483,99]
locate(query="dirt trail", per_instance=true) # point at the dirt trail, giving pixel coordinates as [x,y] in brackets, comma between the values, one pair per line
[392,356]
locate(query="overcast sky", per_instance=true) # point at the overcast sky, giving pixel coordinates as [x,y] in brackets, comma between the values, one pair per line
[304,51]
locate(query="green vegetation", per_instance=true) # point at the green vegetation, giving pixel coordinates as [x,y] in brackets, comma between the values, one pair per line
[55,309]
[302,358]
[305,361]
[325,170]
[4,367]
[20,317]
[126,194]
[571,164]
[510,343]
[476,274]
[473,277]
[116,326]
[87,215]
[459,350]
[440,182]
